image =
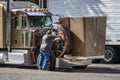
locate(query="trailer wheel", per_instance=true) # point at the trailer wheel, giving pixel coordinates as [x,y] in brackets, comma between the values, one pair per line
[111,55]
[79,67]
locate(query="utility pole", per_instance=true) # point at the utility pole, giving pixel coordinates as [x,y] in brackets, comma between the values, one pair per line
[8,24]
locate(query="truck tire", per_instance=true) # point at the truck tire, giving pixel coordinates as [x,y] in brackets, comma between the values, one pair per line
[111,55]
[38,59]
[52,62]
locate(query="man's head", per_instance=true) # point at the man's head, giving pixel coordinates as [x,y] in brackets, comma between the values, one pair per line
[49,31]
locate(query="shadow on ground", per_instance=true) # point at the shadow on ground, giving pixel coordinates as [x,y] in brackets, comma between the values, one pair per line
[18,66]
[92,69]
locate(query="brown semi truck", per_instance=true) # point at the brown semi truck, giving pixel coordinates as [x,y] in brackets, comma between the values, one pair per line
[82,40]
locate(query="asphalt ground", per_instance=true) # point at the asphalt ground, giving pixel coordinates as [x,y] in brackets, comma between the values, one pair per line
[92,72]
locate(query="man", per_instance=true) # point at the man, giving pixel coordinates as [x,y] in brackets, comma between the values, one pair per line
[45,50]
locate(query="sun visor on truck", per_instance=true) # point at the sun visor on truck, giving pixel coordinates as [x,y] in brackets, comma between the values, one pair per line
[48,13]
[39,13]
[35,14]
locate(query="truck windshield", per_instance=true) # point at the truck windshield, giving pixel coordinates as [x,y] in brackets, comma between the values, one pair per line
[40,21]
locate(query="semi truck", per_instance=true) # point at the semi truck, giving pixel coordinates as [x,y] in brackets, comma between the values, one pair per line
[21,36]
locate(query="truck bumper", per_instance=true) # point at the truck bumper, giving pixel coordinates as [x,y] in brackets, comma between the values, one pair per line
[67,63]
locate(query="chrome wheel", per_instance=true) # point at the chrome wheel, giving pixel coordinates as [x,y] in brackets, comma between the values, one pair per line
[108,55]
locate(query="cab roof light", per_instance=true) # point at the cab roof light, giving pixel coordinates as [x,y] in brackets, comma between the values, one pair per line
[29,9]
[25,9]
[34,9]
[43,9]
[37,9]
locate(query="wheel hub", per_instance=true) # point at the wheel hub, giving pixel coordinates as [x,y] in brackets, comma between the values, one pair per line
[108,55]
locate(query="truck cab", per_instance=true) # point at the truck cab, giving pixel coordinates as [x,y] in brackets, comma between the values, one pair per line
[28,24]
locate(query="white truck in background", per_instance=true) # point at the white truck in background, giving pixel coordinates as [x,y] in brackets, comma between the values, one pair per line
[108,8]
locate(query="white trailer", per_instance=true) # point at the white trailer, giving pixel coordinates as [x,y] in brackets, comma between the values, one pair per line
[109,8]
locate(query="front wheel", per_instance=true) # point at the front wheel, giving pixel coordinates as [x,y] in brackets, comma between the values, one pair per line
[38,59]
[52,62]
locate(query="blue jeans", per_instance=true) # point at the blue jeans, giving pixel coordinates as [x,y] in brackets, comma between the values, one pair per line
[44,59]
